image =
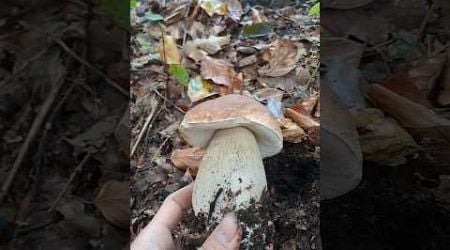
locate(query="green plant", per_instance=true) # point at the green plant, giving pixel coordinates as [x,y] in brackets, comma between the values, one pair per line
[315,9]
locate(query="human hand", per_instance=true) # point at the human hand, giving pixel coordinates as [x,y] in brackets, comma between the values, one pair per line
[157,234]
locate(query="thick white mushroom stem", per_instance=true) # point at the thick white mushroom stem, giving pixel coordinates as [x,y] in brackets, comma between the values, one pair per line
[231,175]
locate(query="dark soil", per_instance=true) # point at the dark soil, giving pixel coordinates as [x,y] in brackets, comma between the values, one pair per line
[290,210]
[389,210]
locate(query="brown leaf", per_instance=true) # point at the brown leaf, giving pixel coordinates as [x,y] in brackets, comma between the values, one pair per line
[218,70]
[291,131]
[306,105]
[382,139]
[303,121]
[406,112]
[113,202]
[258,16]
[403,85]
[211,45]
[424,73]
[188,158]
[281,58]
[168,50]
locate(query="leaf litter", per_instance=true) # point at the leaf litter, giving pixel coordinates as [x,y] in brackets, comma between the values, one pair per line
[69,113]
[212,48]
[387,62]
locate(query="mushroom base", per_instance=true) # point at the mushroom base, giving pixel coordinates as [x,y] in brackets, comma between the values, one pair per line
[231,175]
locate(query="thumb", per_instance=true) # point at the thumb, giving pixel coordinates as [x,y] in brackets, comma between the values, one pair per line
[226,236]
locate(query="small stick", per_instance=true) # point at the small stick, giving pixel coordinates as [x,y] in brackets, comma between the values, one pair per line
[24,66]
[167,100]
[72,176]
[426,19]
[155,155]
[91,67]
[144,129]
[38,121]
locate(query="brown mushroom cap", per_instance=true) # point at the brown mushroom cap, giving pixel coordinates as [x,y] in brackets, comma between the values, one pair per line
[231,111]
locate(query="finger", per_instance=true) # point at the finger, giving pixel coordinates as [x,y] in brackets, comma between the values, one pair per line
[227,235]
[173,207]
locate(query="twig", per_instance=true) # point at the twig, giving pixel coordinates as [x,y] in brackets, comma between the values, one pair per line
[72,176]
[91,67]
[144,128]
[24,66]
[38,121]
[313,76]
[35,227]
[426,19]
[167,100]
[156,154]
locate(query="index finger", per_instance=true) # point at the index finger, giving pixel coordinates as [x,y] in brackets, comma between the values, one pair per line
[173,207]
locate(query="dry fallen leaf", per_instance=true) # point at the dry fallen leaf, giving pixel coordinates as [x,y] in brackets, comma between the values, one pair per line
[430,130]
[188,158]
[424,73]
[403,85]
[234,9]
[382,139]
[113,202]
[291,131]
[306,105]
[211,45]
[211,7]
[168,50]
[218,70]
[302,120]
[281,58]
[258,16]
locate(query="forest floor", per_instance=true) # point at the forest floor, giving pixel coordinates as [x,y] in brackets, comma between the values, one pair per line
[268,52]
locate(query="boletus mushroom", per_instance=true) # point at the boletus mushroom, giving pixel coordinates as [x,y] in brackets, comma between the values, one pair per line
[237,133]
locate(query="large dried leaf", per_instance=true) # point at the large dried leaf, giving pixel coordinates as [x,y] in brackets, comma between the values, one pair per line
[211,45]
[188,158]
[218,70]
[281,58]
[403,85]
[113,202]
[406,112]
[382,139]
[430,130]
[291,131]
[424,73]
[234,9]
[168,50]
[211,7]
